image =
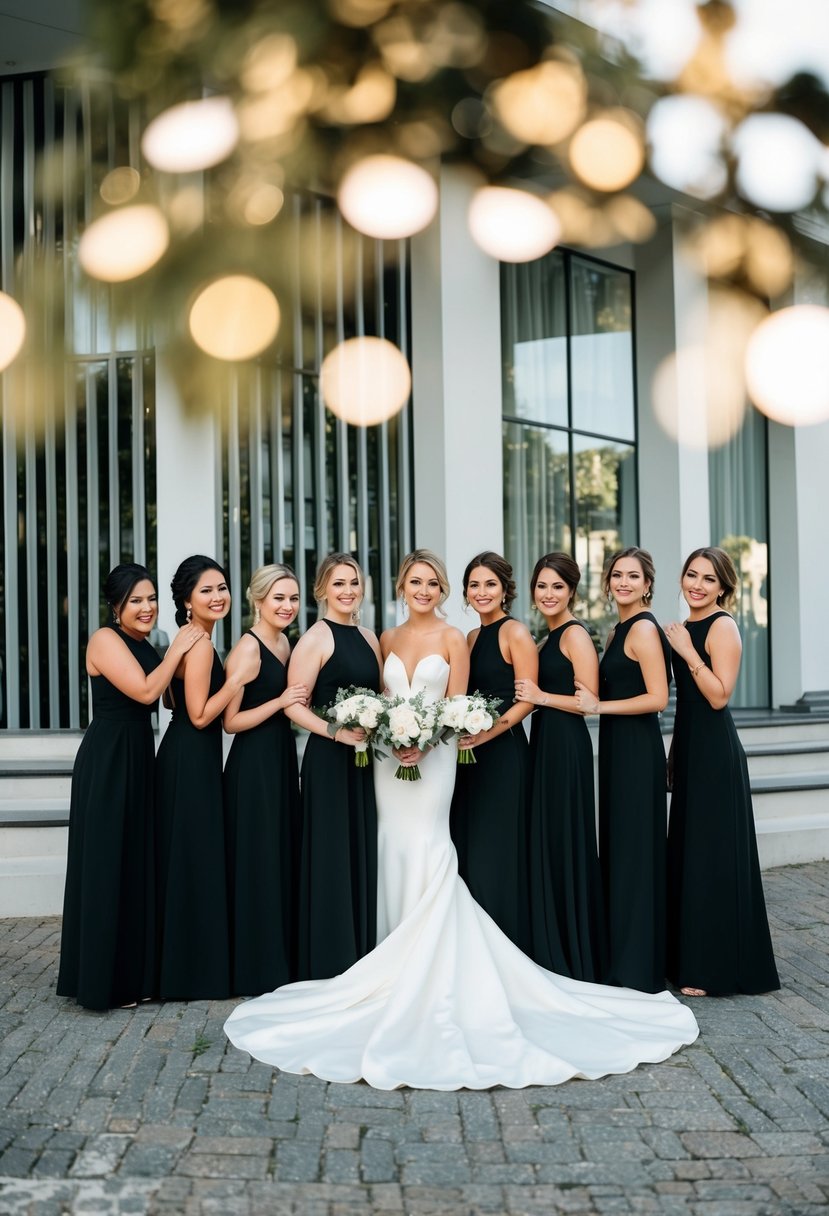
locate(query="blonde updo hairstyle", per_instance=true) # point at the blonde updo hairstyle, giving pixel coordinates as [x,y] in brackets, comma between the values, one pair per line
[324,571]
[430,559]
[261,582]
[723,568]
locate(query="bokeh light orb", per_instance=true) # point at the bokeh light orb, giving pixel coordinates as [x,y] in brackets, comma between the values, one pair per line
[365,381]
[123,244]
[607,153]
[12,330]
[120,185]
[191,136]
[686,135]
[787,365]
[235,317]
[778,161]
[542,104]
[512,225]
[387,197]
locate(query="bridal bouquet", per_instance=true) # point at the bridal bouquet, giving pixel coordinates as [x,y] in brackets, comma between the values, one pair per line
[410,723]
[469,715]
[357,707]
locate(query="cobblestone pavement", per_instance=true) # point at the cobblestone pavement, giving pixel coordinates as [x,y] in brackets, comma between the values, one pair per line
[151,1111]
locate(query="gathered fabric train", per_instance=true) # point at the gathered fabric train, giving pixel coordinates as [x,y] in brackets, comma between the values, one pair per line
[445,1000]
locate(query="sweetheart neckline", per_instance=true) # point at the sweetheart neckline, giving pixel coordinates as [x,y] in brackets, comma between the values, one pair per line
[417,664]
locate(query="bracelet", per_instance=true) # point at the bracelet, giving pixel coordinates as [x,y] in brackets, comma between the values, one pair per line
[698,668]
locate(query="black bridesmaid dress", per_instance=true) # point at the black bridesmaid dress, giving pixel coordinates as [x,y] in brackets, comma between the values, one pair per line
[488,820]
[566,900]
[718,932]
[194,961]
[338,863]
[107,954]
[633,813]
[262,831]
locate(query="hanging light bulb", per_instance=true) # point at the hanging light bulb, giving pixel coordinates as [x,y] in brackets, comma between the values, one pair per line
[512,225]
[12,330]
[365,381]
[124,244]
[235,317]
[387,197]
[191,136]
[787,365]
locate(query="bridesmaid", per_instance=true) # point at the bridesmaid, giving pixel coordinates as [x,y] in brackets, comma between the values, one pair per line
[718,933]
[634,676]
[261,788]
[190,846]
[488,821]
[337,914]
[566,901]
[107,953]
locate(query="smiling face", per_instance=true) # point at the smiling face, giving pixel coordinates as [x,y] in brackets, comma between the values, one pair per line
[343,592]
[701,587]
[137,614]
[421,589]
[210,599]
[279,607]
[628,584]
[552,596]
[485,592]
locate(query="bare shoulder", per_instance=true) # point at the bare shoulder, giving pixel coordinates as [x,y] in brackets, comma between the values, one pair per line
[725,629]
[246,642]
[577,640]
[318,639]
[517,631]
[472,636]
[388,638]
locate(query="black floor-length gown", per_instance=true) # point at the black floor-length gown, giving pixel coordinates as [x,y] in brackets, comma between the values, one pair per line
[488,819]
[107,952]
[338,864]
[566,900]
[194,960]
[262,832]
[633,815]
[718,932]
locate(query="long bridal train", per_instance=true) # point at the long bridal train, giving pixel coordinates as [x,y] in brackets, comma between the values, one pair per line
[446,1001]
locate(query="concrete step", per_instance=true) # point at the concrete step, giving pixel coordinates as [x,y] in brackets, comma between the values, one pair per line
[38,744]
[38,784]
[783,728]
[39,812]
[782,759]
[32,871]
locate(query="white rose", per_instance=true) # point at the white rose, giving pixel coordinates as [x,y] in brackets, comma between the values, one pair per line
[368,718]
[454,712]
[476,721]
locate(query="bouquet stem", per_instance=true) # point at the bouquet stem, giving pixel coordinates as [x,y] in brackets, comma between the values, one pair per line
[466,756]
[361,759]
[408,772]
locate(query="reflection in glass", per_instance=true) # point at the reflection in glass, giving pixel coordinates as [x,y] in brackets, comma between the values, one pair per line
[534,340]
[536,501]
[737,479]
[601,349]
[605,477]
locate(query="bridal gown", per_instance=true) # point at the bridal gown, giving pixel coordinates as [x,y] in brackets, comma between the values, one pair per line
[445,1000]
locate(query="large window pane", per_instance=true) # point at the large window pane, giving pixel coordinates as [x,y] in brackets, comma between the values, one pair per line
[601,350]
[739,524]
[605,476]
[536,500]
[534,340]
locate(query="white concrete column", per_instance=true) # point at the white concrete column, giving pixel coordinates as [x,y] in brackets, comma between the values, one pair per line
[456,369]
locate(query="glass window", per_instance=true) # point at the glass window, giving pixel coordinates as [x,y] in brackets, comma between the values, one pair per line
[534,340]
[536,499]
[605,501]
[738,493]
[601,350]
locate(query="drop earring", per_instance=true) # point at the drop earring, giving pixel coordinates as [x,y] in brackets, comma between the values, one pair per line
[189,614]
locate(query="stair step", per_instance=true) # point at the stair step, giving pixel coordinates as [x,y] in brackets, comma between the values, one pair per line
[45,744]
[785,782]
[36,812]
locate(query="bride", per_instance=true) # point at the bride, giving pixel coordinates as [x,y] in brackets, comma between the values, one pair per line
[445,1000]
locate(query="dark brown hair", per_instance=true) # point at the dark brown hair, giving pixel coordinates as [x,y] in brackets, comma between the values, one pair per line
[564,567]
[723,568]
[645,561]
[502,570]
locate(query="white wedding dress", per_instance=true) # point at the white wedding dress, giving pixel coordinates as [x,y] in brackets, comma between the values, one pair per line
[445,1000]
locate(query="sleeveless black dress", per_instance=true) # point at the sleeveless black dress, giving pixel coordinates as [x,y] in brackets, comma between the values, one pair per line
[338,863]
[633,813]
[718,933]
[488,819]
[262,831]
[566,900]
[107,953]
[194,961]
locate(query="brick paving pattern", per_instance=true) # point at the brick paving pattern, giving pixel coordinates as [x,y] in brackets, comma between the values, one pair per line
[150,1111]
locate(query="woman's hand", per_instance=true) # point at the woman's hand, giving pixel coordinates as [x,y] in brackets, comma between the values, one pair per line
[681,643]
[409,756]
[185,639]
[294,694]
[528,690]
[350,735]
[466,742]
[586,701]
